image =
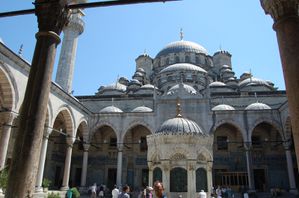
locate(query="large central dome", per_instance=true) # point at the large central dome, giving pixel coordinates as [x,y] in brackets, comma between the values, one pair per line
[182,46]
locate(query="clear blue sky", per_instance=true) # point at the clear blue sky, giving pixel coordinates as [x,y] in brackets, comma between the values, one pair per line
[115,36]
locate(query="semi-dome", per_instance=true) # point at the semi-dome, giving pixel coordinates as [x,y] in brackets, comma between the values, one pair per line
[182,67]
[179,125]
[182,46]
[187,88]
[257,106]
[217,84]
[142,109]
[111,109]
[223,107]
[253,81]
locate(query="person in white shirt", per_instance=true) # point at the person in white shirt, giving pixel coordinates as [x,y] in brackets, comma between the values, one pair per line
[115,192]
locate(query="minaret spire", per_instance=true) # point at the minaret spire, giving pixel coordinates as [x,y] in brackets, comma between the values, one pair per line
[181,34]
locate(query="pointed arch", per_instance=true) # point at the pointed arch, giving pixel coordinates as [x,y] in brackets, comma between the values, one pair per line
[230,122]
[134,124]
[8,89]
[68,116]
[269,121]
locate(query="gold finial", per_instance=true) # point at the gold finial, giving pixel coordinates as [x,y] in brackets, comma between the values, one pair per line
[178,108]
[181,34]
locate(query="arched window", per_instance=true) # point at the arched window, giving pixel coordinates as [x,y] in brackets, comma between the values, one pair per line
[167,61]
[157,174]
[187,59]
[197,61]
[177,59]
[201,180]
[178,180]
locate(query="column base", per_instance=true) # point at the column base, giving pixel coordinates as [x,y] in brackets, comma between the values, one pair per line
[64,188]
[294,191]
[39,189]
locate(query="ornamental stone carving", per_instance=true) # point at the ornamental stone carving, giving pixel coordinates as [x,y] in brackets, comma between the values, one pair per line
[279,9]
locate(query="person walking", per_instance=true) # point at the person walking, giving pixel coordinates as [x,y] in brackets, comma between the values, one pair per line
[93,190]
[125,192]
[115,192]
[159,189]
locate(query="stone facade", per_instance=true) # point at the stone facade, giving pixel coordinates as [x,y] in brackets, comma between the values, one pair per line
[108,137]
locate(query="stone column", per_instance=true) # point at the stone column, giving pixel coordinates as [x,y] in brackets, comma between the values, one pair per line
[286,25]
[84,164]
[209,177]
[51,16]
[65,69]
[248,146]
[42,160]
[119,164]
[191,184]
[166,176]
[150,174]
[8,118]
[290,168]
[67,166]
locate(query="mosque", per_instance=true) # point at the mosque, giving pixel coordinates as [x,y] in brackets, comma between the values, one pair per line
[184,118]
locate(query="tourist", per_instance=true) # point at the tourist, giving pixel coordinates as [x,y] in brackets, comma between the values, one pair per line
[125,192]
[159,190]
[93,190]
[115,192]
[219,192]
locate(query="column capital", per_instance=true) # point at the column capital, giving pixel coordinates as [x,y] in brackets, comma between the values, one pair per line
[52,15]
[279,9]
[287,144]
[47,131]
[86,147]
[247,145]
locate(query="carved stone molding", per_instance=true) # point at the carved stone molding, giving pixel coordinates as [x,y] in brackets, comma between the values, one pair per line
[279,9]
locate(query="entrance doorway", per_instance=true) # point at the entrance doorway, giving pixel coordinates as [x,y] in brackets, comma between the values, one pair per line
[111,178]
[259,180]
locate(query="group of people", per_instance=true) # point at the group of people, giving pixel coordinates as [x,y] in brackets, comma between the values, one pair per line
[125,192]
[222,192]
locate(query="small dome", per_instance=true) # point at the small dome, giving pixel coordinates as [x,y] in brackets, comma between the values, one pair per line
[135,82]
[112,87]
[223,107]
[182,67]
[147,86]
[142,109]
[187,88]
[182,46]
[111,109]
[141,70]
[225,67]
[226,71]
[257,106]
[253,81]
[179,125]
[217,84]
[138,74]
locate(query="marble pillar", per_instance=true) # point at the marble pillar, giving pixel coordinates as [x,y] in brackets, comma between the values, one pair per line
[42,160]
[286,24]
[7,120]
[248,148]
[84,165]
[119,165]
[67,167]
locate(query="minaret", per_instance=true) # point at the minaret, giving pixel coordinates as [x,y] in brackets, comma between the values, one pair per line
[65,69]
